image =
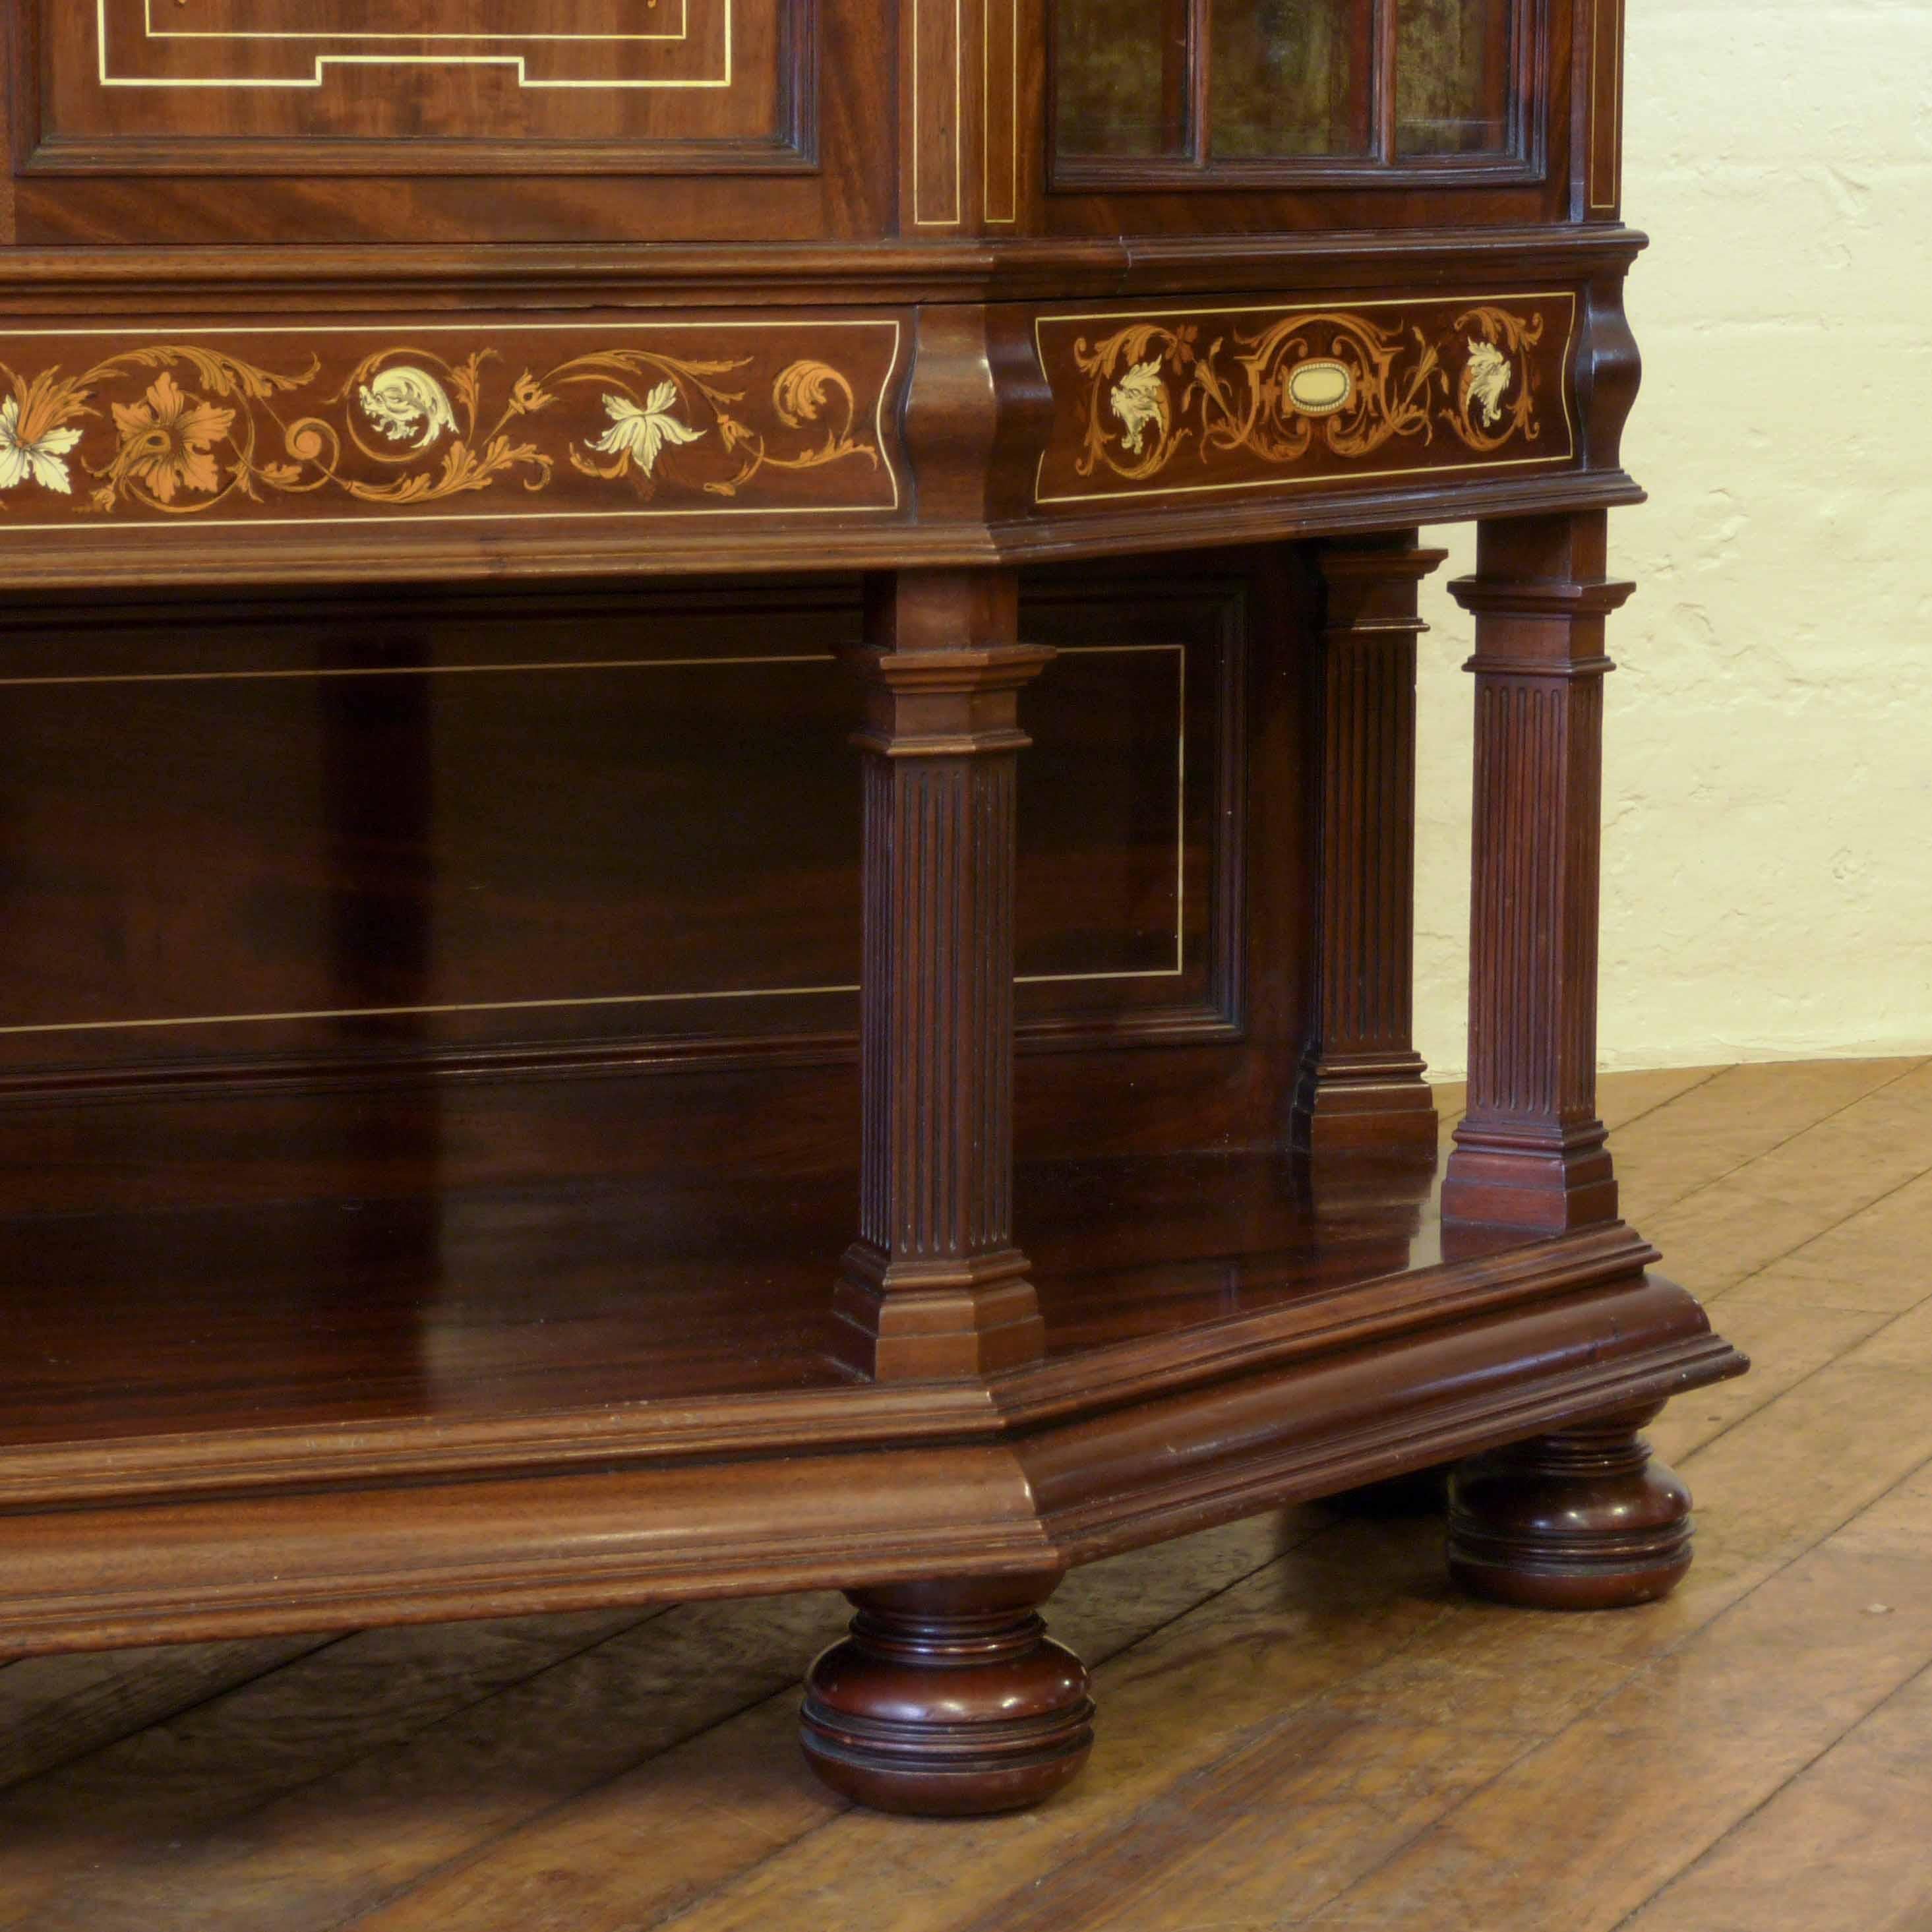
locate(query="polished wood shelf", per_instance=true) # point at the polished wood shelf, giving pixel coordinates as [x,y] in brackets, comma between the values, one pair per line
[757,1048]
[281,1416]
[496,1303]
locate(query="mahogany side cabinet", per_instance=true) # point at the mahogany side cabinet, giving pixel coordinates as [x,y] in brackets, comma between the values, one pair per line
[706,803]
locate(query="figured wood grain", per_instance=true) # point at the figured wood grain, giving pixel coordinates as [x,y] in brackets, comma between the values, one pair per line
[55,1709]
[698,84]
[301,909]
[427,1356]
[492,1852]
[1293,1802]
[298,1852]
[278,1731]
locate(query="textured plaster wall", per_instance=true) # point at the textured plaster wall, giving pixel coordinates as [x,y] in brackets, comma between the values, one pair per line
[1767,784]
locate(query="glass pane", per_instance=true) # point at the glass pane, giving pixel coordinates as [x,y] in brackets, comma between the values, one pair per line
[1289,77]
[1121,77]
[1452,77]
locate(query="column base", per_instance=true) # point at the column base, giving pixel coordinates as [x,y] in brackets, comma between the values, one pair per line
[1580,1520]
[1553,1184]
[949,1700]
[1363,1100]
[943,1322]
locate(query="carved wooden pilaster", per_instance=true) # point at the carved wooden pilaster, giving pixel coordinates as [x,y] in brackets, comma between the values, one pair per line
[934,1286]
[1530,1153]
[1361,1081]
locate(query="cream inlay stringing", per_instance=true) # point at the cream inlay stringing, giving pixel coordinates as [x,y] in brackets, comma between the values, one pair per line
[254,44]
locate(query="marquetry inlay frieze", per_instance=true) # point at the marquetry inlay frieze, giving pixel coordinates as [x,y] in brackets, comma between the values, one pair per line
[684,418]
[1191,401]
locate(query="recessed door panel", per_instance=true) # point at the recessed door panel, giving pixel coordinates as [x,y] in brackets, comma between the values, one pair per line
[224,83]
[444,121]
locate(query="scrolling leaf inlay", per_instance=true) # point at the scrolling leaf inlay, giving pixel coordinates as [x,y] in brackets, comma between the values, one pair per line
[180,429]
[1328,380]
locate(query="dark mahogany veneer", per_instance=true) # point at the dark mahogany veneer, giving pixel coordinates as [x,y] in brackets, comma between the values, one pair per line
[707,837]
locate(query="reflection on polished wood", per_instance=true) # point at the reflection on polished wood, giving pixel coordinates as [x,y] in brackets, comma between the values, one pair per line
[520,1301]
[501,1112]
[1286,1734]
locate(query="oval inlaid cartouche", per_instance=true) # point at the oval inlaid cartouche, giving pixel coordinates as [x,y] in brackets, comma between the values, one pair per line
[1319,388]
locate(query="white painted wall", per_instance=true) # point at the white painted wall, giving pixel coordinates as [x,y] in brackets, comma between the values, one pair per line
[1768,785]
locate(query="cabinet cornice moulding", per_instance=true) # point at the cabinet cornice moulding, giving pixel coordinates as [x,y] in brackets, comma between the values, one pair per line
[321,278]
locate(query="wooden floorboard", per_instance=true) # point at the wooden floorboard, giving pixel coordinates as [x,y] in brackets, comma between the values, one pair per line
[1300,1724]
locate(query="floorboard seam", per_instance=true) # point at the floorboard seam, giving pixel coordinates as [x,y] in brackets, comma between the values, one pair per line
[1844,1221]
[461,1860]
[692,1904]
[1658,1106]
[1624,1683]
[213,1696]
[286,1792]
[1810,1374]
[1730,1831]
[1765,1153]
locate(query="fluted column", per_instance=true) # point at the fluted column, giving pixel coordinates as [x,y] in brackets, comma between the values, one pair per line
[934,1286]
[1530,1153]
[1361,1081]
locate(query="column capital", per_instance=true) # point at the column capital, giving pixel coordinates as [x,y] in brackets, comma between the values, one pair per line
[1370,586]
[950,703]
[1540,597]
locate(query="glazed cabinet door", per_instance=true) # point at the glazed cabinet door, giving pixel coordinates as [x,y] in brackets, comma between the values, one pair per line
[1305,103]
[456,120]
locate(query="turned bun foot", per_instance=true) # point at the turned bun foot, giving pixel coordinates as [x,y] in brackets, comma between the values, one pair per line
[1580,1520]
[949,1700]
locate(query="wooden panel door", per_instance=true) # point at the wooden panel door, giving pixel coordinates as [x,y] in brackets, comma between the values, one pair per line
[448,120]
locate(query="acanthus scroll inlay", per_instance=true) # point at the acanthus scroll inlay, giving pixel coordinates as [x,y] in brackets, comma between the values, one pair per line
[1234,399]
[195,428]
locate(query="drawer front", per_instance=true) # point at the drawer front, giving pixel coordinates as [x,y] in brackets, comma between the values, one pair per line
[514,422]
[1188,402]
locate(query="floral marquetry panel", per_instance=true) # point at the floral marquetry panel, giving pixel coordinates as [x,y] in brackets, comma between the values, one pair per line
[513,422]
[1178,402]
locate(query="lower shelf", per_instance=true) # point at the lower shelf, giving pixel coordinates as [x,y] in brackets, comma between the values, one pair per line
[294,1416]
